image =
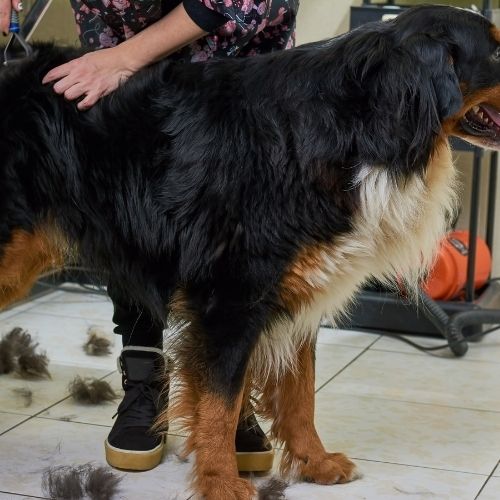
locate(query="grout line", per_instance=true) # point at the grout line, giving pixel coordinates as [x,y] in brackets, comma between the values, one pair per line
[62,419]
[487,479]
[77,300]
[418,466]
[344,367]
[22,495]
[415,352]
[52,315]
[377,339]
[6,317]
[14,413]
[32,302]
[341,344]
[423,403]
[28,417]
[45,409]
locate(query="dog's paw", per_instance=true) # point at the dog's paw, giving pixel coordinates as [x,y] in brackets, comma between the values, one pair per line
[331,468]
[221,487]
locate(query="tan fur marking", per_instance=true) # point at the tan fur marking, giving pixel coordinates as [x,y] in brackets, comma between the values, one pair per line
[495,33]
[290,403]
[25,258]
[304,278]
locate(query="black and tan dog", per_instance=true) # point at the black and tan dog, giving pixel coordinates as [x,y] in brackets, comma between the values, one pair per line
[248,198]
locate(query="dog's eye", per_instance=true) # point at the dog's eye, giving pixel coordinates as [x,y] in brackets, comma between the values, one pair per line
[496,54]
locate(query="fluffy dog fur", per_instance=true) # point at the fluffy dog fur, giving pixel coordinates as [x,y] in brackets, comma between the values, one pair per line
[247,198]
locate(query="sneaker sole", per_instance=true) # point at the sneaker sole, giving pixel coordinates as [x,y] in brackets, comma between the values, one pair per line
[257,461]
[132,459]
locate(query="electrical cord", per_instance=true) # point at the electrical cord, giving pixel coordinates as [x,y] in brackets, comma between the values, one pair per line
[440,320]
[438,347]
[420,347]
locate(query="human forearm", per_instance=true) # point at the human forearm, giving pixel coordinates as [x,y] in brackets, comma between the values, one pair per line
[162,38]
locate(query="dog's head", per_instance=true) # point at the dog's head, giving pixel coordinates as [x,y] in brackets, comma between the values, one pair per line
[432,71]
[462,50]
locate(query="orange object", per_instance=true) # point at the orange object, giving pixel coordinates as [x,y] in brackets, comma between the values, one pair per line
[449,274]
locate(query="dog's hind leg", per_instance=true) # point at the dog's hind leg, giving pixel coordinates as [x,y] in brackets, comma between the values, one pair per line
[289,402]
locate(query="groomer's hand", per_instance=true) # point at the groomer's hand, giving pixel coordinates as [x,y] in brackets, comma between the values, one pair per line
[93,76]
[6,7]
[97,74]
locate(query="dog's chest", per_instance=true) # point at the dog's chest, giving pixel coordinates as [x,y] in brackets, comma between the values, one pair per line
[396,232]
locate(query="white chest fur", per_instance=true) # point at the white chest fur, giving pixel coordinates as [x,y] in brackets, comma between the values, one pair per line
[396,235]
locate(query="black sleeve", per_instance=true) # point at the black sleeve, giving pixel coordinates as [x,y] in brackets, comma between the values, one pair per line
[207,19]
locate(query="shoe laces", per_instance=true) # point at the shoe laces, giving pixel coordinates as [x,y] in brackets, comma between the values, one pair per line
[250,424]
[139,406]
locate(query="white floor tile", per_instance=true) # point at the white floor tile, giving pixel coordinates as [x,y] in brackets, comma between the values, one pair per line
[8,313]
[8,420]
[331,358]
[44,392]
[491,490]
[76,305]
[62,338]
[41,443]
[383,481]
[423,379]
[408,433]
[350,338]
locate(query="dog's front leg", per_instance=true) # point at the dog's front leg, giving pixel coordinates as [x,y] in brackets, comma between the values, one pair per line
[212,357]
[216,473]
[211,417]
[290,403]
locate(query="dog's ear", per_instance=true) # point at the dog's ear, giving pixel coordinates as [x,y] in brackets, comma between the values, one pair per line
[437,59]
[411,91]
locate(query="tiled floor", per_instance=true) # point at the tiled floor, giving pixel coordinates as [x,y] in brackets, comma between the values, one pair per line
[418,426]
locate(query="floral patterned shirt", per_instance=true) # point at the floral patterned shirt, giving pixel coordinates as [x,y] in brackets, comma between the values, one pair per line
[235,27]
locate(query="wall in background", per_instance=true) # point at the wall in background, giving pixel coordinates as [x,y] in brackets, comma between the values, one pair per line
[57,25]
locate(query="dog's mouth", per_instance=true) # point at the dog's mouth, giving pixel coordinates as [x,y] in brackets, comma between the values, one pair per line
[482,121]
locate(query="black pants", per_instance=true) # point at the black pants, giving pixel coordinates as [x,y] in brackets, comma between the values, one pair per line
[135,324]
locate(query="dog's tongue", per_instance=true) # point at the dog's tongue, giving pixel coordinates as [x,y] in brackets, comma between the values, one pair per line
[492,113]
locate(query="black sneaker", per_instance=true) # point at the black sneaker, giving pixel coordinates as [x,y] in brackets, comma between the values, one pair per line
[131,444]
[254,452]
